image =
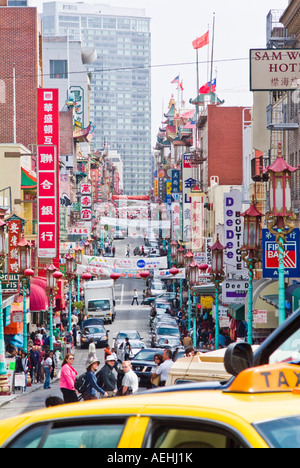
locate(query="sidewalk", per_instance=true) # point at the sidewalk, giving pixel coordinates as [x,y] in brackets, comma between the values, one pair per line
[4,400]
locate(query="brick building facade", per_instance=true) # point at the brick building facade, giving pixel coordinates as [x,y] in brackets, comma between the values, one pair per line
[21,46]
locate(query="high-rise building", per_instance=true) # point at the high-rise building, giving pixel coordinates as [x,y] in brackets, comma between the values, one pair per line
[17,3]
[121,79]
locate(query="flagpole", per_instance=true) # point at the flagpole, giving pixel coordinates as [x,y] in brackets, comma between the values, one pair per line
[212,53]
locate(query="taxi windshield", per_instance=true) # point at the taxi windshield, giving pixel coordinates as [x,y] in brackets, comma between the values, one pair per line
[287,351]
[281,433]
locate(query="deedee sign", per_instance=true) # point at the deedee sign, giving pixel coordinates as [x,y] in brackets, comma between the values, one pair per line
[274,69]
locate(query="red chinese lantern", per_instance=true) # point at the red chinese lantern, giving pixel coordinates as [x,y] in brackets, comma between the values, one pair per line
[174,271]
[144,274]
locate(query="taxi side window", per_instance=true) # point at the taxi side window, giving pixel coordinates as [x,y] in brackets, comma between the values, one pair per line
[81,433]
[191,434]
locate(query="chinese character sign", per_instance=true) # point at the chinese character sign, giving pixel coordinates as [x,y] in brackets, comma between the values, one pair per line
[47,172]
[47,202]
[14,237]
[197,230]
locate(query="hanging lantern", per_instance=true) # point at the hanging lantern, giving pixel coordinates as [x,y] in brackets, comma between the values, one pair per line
[115,276]
[280,176]
[194,273]
[252,223]
[203,267]
[188,258]
[78,255]
[174,271]
[57,275]
[180,255]
[173,248]
[70,264]
[2,238]
[29,272]
[50,279]
[87,276]
[144,274]
[217,265]
[24,255]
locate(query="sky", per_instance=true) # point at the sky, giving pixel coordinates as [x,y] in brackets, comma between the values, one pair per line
[239,26]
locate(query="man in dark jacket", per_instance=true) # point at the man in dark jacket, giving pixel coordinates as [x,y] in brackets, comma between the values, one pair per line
[106,377]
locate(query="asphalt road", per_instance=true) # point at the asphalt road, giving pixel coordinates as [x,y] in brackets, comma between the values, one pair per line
[128,317]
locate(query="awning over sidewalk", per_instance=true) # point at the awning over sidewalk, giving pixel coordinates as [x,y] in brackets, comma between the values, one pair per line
[263,288]
[237,311]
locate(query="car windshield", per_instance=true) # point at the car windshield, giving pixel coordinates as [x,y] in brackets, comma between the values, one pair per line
[167,331]
[158,286]
[281,433]
[94,329]
[287,351]
[172,341]
[133,335]
[99,304]
[147,354]
[137,344]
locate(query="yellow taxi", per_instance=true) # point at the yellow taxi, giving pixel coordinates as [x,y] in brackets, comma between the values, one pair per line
[260,408]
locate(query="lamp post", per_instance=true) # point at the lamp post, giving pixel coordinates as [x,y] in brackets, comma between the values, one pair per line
[78,261]
[87,248]
[217,276]
[180,263]
[281,215]
[251,253]
[193,280]
[173,250]
[25,272]
[4,385]
[70,274]
[51,276]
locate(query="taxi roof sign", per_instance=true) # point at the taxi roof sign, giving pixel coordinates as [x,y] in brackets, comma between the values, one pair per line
[279,377]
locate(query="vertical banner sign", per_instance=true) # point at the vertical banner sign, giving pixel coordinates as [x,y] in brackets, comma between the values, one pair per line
[187,183]
[197,223]
[14,237]
[176,231]
[175,181]
[233,231]
[48,174]
[47,202]
[86,202]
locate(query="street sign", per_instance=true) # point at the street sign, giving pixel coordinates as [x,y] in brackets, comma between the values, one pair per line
[271,256]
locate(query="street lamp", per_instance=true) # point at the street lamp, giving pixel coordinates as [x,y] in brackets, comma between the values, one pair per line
[4,384]
[70,274]
[217,276]
[251,253]
[180,256]
[188,258]
[25,272]
[51,276]
[193,274]
[173,249]
[78,261]
[280,215]
[87,248]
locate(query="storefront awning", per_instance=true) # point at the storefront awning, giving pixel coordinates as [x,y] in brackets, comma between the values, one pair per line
[272,299]
[205,289]
[237,311]
[261,288]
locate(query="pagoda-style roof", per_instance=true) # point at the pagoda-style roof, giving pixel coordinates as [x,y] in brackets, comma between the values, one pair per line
[200,99]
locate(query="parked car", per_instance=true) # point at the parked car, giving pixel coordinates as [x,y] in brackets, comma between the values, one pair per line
[169,342]
[91,321]
[169,296]
[136,346]
[164,331]
[120,337]
[143,365]
[157,288]
[96,333]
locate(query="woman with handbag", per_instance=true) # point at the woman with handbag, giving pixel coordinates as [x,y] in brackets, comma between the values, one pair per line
[155,379]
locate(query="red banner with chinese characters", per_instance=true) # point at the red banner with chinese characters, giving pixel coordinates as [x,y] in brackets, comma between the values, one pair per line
[14,237]
[48,174]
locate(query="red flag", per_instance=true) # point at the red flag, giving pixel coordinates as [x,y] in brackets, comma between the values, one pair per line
[201,41]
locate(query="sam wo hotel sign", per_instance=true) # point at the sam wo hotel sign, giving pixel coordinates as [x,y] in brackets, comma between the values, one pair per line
[274,69]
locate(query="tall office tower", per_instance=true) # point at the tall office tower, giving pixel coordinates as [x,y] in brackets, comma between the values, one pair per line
[17,3]
[121,79]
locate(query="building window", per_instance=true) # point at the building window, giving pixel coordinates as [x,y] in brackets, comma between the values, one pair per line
[59,69]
